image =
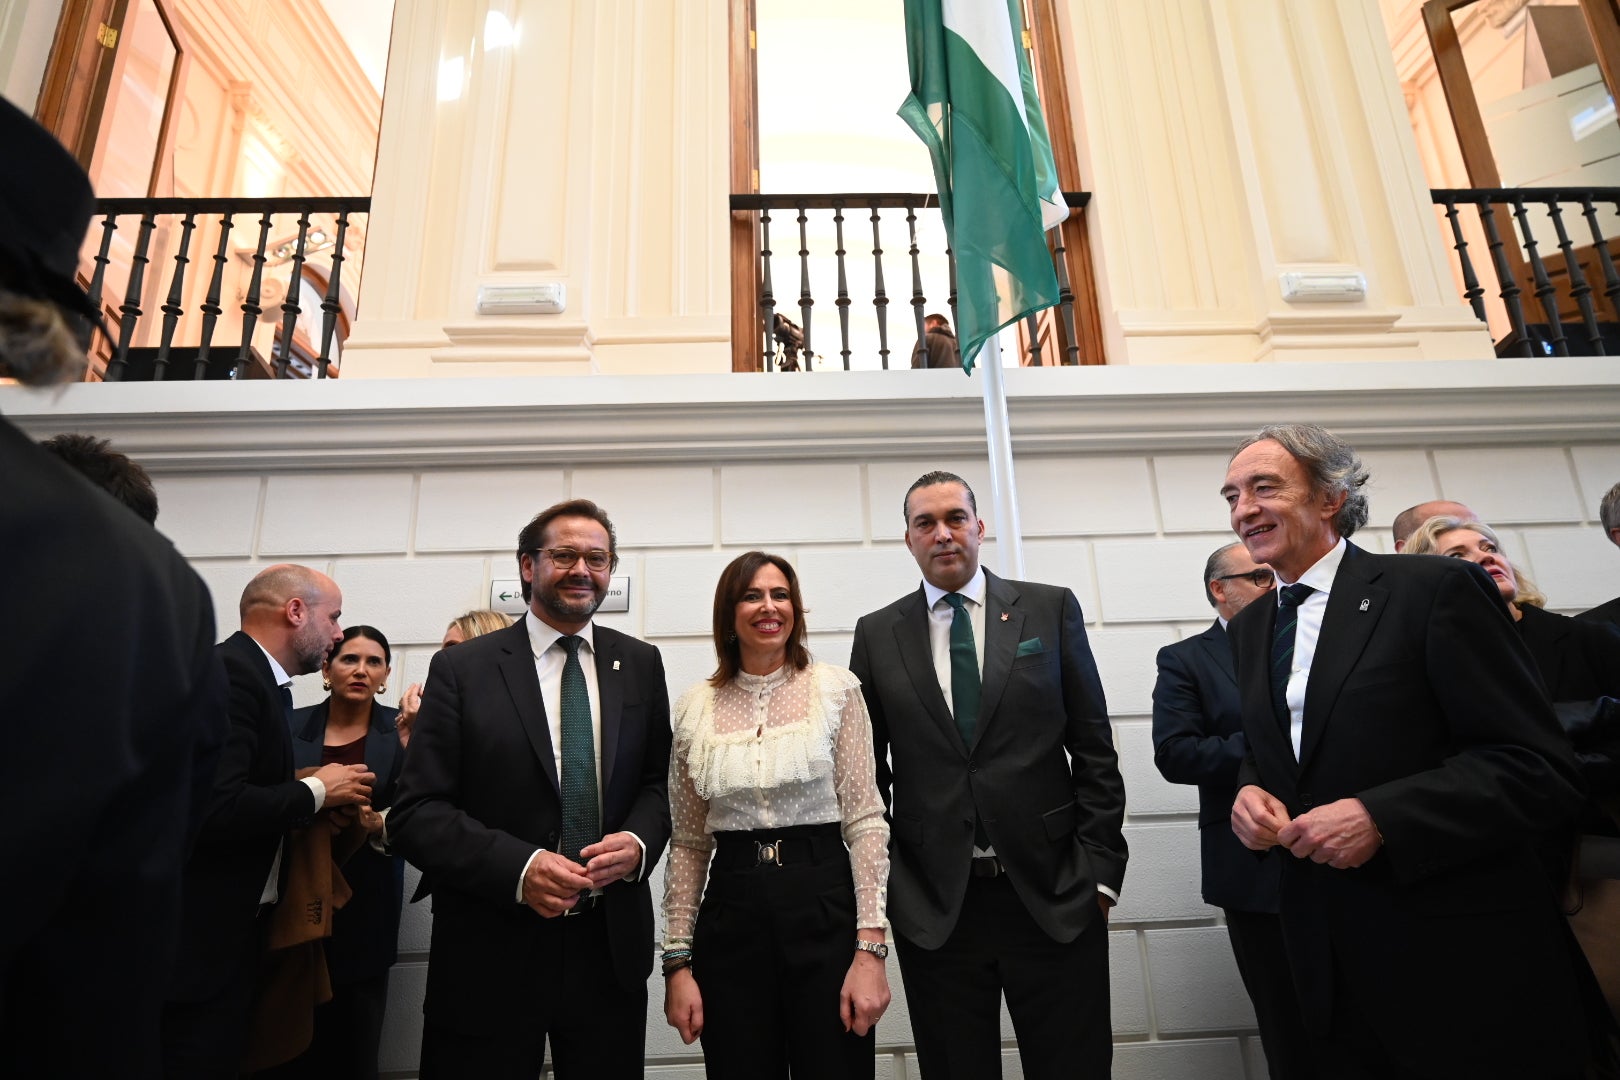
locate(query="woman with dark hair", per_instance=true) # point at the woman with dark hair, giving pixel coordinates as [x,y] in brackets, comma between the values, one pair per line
[781,970]
[352,727]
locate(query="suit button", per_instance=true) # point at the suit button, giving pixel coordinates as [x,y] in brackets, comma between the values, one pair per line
[973,766]
[1305,800]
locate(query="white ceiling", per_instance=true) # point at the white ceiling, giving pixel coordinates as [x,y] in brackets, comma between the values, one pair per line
[364,25]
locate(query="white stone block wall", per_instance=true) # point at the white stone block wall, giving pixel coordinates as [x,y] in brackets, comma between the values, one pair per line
[412,550]
[415,535]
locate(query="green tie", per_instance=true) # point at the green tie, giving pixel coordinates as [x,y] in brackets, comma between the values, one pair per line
[582,824]
[964,669]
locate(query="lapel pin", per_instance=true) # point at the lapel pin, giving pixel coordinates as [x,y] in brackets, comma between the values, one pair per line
[1005,616]
[1363,608]
[1364,605]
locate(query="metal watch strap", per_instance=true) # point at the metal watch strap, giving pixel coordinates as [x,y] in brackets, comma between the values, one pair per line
[876,948]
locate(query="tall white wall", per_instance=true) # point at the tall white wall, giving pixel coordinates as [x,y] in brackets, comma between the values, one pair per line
[411,494]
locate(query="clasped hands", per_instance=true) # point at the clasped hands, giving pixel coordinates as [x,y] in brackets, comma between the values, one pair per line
[552,884]
[1341,834]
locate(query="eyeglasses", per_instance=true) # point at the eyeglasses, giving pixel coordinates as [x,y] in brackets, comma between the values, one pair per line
[1260,579]
[565,558]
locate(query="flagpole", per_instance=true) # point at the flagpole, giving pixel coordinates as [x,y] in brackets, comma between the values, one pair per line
[1003,487]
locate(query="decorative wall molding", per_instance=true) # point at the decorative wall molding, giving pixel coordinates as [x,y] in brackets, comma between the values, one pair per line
[216,427]
[1501,12]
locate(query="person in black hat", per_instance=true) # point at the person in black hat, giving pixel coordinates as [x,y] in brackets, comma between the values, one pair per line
[113,699]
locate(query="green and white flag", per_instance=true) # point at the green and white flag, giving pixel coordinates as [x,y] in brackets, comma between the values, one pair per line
[973,103]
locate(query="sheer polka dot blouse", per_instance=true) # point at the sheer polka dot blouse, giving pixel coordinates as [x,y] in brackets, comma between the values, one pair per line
[764,751]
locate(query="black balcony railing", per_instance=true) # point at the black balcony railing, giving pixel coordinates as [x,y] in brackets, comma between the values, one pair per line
[1563,302]
[250,254]
[826,266]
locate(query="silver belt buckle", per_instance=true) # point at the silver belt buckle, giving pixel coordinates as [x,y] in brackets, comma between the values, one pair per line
[768,853]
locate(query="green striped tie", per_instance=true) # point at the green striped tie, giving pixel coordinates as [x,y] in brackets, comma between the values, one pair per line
[582,820]
[964,669]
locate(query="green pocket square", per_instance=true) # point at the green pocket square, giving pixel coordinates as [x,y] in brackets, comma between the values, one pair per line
[1030,647]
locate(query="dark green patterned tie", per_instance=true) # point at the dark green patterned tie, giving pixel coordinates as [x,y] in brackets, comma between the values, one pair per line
[964,669]
[582,824]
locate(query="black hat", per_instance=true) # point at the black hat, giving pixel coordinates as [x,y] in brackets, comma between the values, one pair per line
[45,206]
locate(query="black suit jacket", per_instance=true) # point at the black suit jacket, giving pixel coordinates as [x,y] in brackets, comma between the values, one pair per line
[1423,703]
[1042,774]
[1578,660]
[254,801]
[480,792]
[1609,613]
[114,717]
[1198,739]
[365,931]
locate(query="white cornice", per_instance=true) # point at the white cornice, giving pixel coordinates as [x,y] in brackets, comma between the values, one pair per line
[428,423]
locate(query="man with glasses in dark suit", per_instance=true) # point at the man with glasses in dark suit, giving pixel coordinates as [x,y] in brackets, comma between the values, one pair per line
[1198,739]
[535,801]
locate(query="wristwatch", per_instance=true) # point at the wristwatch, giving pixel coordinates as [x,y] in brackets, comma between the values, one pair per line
[876,948]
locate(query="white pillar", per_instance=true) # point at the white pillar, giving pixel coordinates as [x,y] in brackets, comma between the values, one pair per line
[574,142]
[1231,142]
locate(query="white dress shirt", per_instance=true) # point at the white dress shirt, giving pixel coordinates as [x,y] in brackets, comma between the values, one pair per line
[272,888]
[549,659]
[1319,577]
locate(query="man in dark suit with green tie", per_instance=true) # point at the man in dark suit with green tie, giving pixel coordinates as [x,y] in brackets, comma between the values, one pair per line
[535,801]
[995,757]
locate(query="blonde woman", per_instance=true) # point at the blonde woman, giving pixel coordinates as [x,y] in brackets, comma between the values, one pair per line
[1578,660]
[472,624]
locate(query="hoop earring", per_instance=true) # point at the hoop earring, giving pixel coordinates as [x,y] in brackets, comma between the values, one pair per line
[731,637]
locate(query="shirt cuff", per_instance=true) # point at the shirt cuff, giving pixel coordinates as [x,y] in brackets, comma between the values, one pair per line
[525,873]
[318,789]
[379,839]
[641,862]
[1110,893]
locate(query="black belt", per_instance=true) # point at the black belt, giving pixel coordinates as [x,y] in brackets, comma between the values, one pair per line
[588,902]
[795,845]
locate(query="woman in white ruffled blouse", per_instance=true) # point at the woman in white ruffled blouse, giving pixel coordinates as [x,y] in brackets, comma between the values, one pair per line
[781,970]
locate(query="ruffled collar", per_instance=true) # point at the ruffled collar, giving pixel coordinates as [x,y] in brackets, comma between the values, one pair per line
[755,684]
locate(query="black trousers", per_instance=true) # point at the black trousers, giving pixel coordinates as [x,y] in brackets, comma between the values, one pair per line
[770,951]
[204,1039]
[1057,993]
[1262,961]
[597,1027]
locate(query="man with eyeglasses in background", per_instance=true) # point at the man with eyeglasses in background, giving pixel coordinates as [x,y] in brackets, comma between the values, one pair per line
[1198,739]
[534,800]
